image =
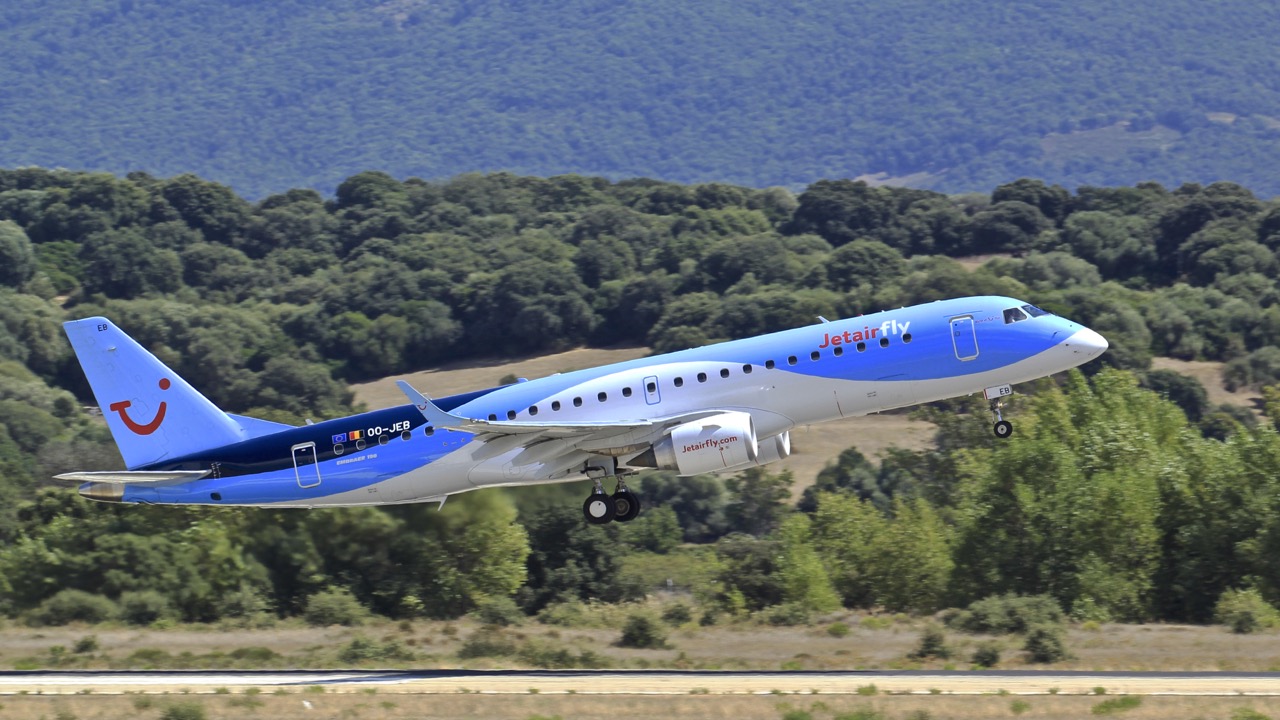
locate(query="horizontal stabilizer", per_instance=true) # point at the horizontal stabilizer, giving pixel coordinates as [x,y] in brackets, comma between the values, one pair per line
[135,477]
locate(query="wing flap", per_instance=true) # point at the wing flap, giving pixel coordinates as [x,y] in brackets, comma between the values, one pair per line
[135,477]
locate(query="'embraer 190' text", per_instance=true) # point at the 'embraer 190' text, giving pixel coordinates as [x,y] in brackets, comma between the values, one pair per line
[888,327]
[710,443]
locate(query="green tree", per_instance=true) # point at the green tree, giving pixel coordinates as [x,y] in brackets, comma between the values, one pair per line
[17,258]
[758,500]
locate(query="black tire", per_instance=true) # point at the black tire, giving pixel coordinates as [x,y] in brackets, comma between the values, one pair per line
[626,506]
[598,509]
[1004,429]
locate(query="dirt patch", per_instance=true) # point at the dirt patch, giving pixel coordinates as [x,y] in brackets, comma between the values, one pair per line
[1210,376]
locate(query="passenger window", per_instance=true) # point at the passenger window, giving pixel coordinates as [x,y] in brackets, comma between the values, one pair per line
[679,382]
[555,406]
[511,414]
[862,347]
[533,410]
[884,342]
[602,396]
[406,435]
[746,369]
[702,377]
[338,449]
[906,337]
[724,372]
[652,387]
[815,355]
[429,431]
[769,365]
[1013,315]
[383,439]
[626,392]
[577,402]
[837,351]
[791,360]
[493,417]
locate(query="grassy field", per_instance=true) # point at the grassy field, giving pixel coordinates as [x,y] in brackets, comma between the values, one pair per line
[872,642]
[619,707]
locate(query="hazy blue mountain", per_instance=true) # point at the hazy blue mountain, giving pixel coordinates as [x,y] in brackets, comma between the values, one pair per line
[956,94]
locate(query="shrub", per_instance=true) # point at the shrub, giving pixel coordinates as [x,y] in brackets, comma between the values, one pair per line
[838,630]
[986,655]
[933,644]
[677,614]
[1116,704]
[336,606]
[1017,707]
[1045,644]
[86,644]
[1001,614]
[861,714]
[1244,611]
[71,606]
[499,612]
[642,630]
[255,655]
[787,615]
[183,711]
[362,649]
[565,614]
[144,607]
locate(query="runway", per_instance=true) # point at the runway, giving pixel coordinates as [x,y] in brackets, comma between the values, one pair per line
[647,682]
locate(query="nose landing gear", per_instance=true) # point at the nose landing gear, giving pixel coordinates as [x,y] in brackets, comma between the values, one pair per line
[1003,428]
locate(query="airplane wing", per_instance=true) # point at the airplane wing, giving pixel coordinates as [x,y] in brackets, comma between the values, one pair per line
[135,477]
[544,440]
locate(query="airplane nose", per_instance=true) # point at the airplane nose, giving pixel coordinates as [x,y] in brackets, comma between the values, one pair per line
[1086,342]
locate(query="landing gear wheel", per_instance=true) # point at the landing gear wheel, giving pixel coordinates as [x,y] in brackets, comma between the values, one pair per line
[626,505]
[1003,429]
[598,509]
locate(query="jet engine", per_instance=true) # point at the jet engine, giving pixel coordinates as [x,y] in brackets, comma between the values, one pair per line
[771,449]
[712,444]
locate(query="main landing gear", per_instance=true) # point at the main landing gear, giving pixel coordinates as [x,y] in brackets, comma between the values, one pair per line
[1003,428]
[601,508]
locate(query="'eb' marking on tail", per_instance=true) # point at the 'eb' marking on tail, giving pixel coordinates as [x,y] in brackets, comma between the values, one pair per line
[134,426]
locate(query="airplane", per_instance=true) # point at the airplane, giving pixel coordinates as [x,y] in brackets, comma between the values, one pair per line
[720,408]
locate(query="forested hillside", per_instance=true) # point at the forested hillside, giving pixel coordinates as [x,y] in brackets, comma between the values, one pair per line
[1117,502]
[956,96]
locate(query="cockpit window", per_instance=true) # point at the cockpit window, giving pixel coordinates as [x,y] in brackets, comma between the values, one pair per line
[1013,315]
[1034,311]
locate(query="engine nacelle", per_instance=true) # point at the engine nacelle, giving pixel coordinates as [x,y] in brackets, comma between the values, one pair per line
[771,449]
[711,444]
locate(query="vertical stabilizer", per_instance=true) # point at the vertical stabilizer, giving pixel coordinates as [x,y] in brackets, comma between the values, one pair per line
[153,414]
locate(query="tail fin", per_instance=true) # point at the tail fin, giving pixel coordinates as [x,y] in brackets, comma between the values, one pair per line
[153,414]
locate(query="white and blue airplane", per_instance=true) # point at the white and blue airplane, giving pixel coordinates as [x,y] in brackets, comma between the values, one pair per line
[716,409]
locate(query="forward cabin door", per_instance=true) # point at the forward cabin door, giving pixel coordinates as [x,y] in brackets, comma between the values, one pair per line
[652,393]
[305,465]
[963,337]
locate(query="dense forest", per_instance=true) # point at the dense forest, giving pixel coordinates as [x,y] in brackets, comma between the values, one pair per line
[956,96]
[1125,494]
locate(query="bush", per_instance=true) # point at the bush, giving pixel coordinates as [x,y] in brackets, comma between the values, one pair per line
[565,614]
[1115,705]
[642,630]
[1045,644]
[986,655]
[787,614]
[499,612]
[144,607]
[838,630]
[255,655]
[1244,611]
[183,711]
[334,607]
[362,649]
[86,644]
[1002,614]
[677,614]
[73,606]
[933,644]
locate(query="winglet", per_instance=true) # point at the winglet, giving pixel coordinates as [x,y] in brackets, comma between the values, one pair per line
[434,415]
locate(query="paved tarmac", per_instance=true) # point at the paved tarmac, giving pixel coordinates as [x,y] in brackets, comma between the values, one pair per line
[648,682]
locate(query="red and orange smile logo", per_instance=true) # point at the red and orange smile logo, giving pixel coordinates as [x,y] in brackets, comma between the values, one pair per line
[141,428]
